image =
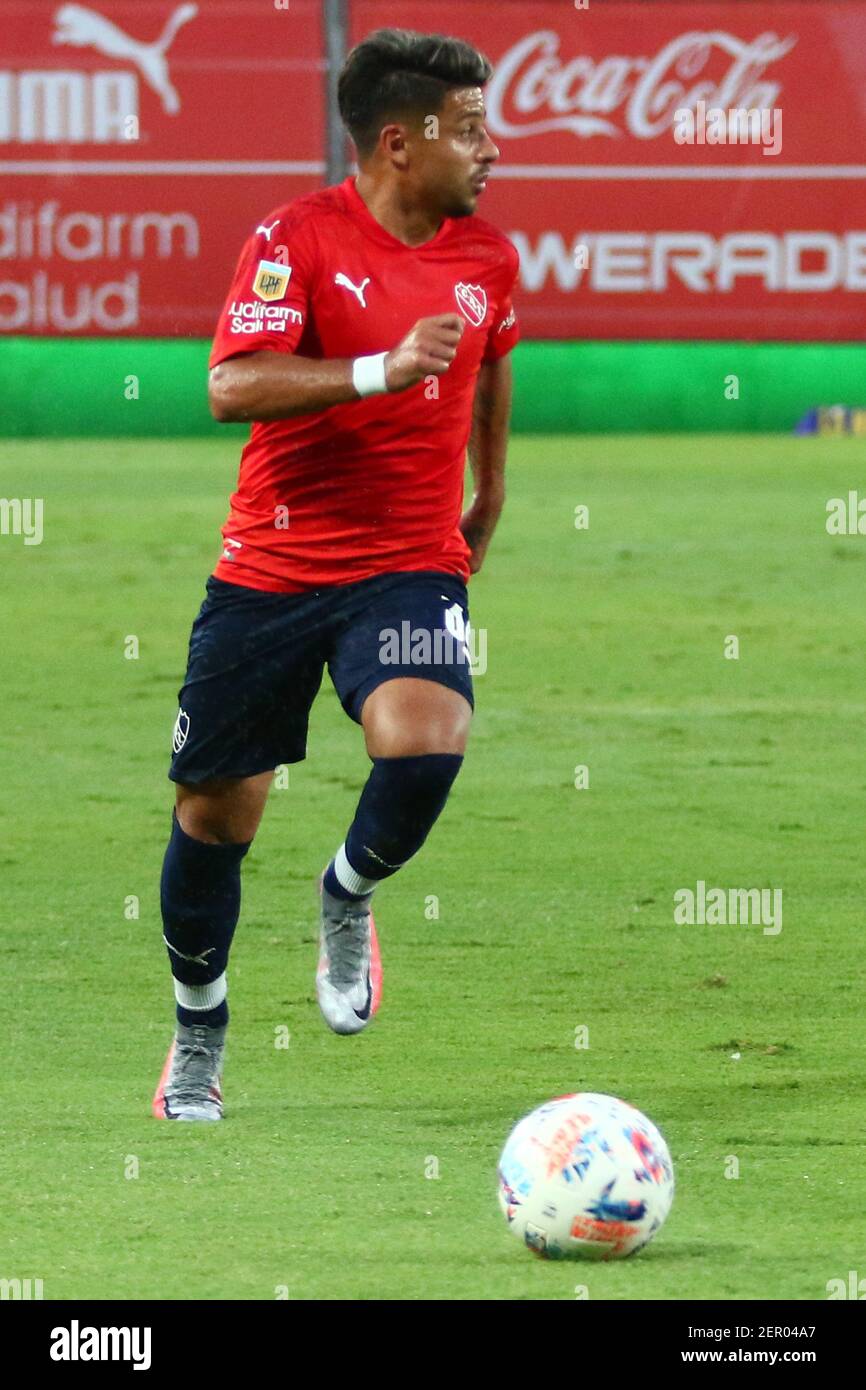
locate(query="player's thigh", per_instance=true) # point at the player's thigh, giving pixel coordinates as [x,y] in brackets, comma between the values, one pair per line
[408,717]
[255,665]
[401,664]
[225,811]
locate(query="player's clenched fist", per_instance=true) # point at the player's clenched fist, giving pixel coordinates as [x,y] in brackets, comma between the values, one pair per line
[427,350]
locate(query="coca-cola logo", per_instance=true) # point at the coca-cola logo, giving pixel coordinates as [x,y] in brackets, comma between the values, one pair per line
[616,95]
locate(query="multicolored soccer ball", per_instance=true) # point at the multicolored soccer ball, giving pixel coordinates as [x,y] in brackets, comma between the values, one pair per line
[585,1175]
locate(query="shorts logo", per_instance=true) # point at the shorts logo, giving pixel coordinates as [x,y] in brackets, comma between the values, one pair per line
[181,731]
[472,303]
[272,280]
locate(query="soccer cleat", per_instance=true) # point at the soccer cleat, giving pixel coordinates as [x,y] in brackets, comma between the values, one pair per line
[189,1088]
[349,977]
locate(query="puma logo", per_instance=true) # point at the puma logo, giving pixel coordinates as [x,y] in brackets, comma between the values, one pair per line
[267,230]
[341,279]
[84,28]
[193,960]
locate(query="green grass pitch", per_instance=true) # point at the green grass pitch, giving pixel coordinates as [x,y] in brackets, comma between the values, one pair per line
[605,648]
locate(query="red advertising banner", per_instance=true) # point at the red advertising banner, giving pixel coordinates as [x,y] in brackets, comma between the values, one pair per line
[666,170]
[139,143]
[679,240]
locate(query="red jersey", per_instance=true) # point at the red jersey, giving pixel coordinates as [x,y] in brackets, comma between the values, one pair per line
[373,485]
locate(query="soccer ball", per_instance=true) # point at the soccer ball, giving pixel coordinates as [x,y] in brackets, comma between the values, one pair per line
[585,1175]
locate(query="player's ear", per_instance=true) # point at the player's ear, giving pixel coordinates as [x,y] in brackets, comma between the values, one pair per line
[392,139]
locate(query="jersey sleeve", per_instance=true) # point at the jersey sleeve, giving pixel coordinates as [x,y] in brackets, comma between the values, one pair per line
[504,331]
[268,303]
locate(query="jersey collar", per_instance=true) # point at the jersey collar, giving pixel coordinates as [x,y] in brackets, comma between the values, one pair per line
[374,229]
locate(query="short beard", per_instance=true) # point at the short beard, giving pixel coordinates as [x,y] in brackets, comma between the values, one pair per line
[460,210]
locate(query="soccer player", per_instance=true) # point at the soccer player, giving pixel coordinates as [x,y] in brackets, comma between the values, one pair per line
[366,337]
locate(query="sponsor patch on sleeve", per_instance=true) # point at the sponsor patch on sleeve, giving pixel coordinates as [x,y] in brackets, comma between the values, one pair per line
[272,280]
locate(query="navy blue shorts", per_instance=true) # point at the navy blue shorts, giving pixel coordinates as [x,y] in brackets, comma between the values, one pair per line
[256,662]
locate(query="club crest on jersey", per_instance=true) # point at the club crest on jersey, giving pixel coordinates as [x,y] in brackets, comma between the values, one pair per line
[272,280]
[472,303]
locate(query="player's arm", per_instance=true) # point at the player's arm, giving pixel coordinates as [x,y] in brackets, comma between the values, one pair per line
[272,385]
[488,444]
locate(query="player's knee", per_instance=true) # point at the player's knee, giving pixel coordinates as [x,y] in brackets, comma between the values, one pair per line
[435,737]
[448,732]
[414,718]
[219,815]
[212,828]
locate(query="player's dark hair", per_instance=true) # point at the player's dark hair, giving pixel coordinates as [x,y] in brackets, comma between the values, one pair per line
[397,72]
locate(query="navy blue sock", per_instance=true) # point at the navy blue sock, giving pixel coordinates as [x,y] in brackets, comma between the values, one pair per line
[200,894]
[211,1018]
[400,803]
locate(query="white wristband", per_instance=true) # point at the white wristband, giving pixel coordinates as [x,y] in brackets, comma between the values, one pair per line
[368,374]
